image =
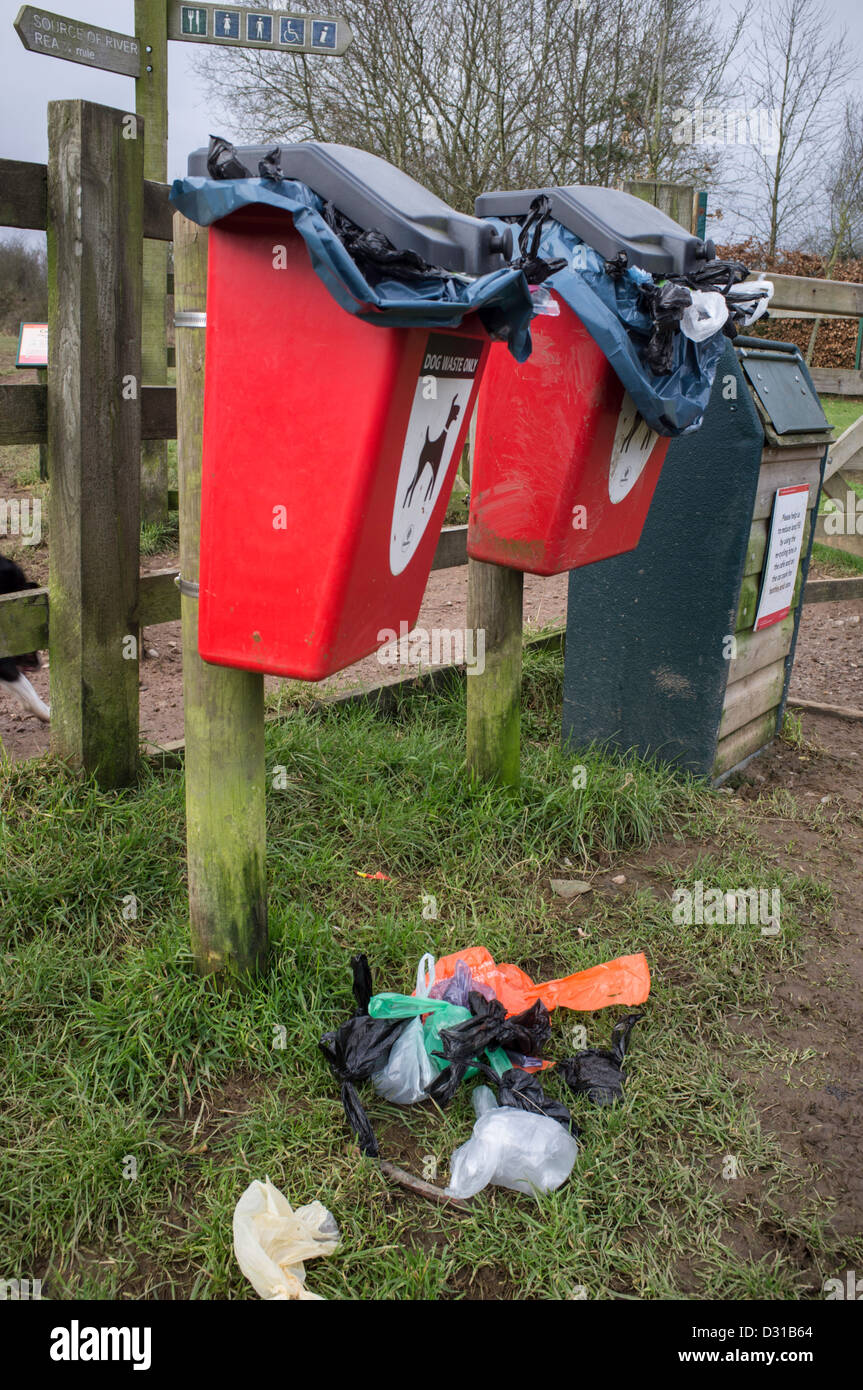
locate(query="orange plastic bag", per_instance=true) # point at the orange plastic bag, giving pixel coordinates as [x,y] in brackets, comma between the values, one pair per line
[622,981]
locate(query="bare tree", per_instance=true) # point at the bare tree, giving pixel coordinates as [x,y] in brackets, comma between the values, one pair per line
[467,95]
[843,198]
[844,189]
[800,71]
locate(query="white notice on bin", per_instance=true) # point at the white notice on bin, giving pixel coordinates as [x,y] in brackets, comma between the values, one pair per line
[783,555]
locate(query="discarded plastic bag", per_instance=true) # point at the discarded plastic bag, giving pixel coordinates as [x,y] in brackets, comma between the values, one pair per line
[705,316]
[511,1148]
[458,987]
[751,299]
[358,1049]
[524,1092]
[489,1027]
[271,1241]
[439,1014]
[622,981]
[409,1069]
[598,1073]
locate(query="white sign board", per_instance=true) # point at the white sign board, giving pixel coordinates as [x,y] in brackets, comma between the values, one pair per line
[783,555]
[32,345]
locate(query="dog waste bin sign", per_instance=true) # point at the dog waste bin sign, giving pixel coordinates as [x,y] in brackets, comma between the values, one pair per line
[446,378]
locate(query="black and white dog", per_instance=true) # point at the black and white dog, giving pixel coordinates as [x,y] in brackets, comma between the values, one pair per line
[12,580]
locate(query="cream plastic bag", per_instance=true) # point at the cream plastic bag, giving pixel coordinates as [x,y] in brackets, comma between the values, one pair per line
[271,1240]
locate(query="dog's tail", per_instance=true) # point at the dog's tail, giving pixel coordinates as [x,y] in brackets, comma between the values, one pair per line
[26,695]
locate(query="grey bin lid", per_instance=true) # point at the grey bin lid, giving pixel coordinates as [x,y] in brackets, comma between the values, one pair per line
[376,195]
[610,221]
[778,377]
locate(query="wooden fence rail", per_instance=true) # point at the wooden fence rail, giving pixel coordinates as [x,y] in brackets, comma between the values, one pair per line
[24,199]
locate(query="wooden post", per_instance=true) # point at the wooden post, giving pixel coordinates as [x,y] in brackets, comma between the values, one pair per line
[151,102]
[494,606]
[95,228]
[226,831]
[42,378]
[679,201]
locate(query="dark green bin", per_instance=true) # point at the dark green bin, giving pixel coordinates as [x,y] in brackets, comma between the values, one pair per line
[661,655]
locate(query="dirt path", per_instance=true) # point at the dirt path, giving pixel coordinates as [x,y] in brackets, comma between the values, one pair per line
[444,606]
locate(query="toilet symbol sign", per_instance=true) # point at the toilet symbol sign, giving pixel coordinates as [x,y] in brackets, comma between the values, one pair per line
[259,26]
[438,412]
[326,35]
[227,25]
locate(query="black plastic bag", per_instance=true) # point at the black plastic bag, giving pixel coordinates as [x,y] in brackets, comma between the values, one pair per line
[714,275]
[223,161]
[446,1083]
[375,254]
[597,1072]
[665,303]
[522,1090]
[617,266]
[269,167]
[357,1049]
[534,267]
[527,1032]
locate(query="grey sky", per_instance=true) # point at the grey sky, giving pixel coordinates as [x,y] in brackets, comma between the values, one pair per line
[31,80]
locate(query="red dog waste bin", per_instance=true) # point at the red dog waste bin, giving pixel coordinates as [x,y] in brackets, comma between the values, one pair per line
[330,445]
[564,468]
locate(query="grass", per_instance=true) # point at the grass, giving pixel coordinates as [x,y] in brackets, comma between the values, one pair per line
[842,411]
[114,1047]
[157,536]
[838,563]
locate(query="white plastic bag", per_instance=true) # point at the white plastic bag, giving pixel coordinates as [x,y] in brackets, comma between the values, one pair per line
[511,1148]
[425,975]
[760,291]
[705,315]
[271,1240]
[409,1070]
[544,301]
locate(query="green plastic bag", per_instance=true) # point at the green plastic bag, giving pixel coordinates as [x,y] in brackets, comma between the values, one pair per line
[441,1014]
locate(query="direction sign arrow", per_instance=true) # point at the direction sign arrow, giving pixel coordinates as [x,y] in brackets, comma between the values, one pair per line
[324,35]
[77,41]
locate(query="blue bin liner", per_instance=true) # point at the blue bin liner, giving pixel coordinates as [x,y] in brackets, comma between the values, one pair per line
[502,298]
[672,404]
